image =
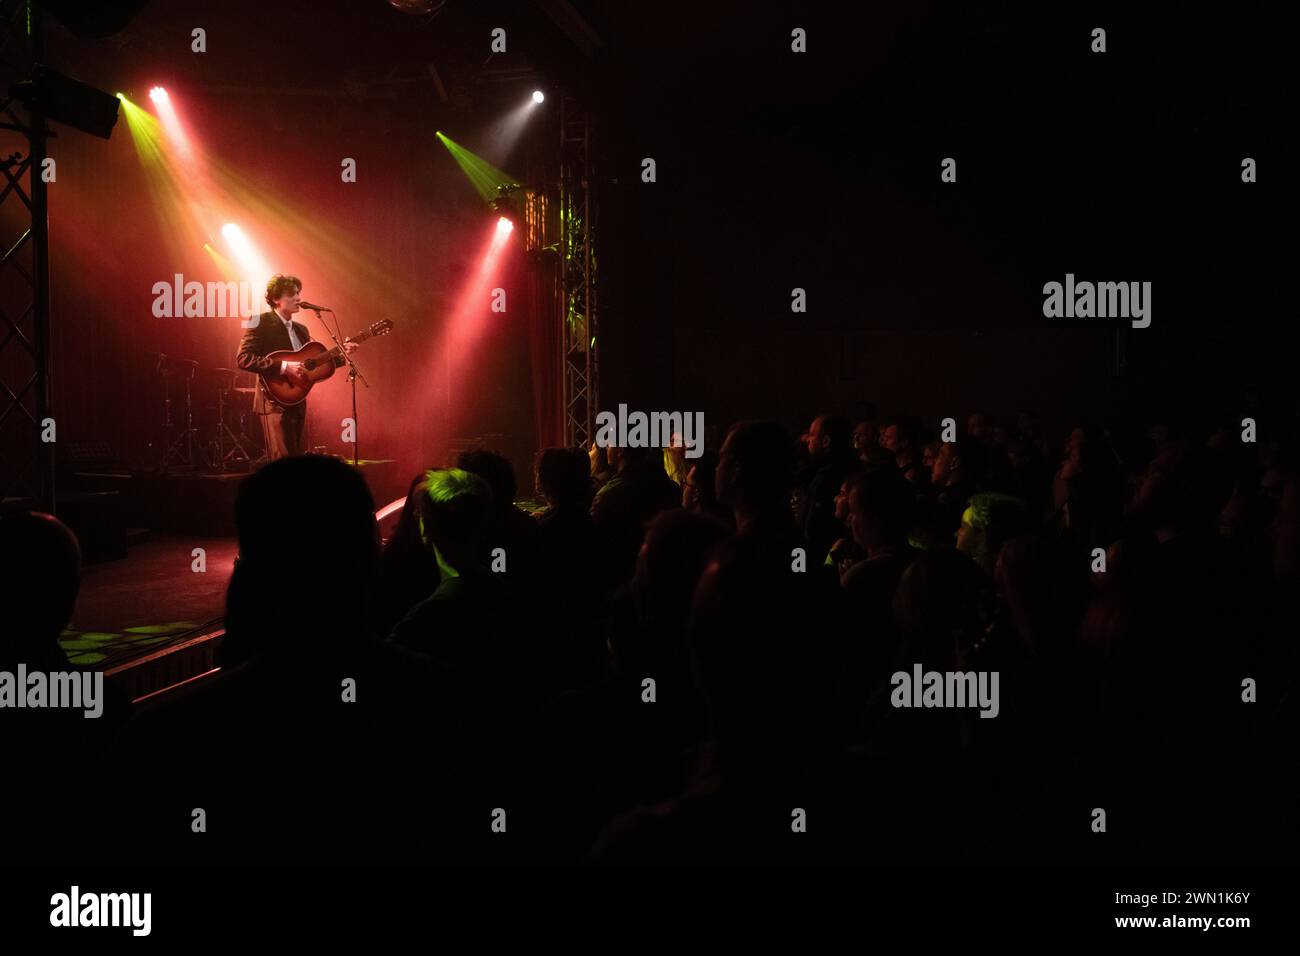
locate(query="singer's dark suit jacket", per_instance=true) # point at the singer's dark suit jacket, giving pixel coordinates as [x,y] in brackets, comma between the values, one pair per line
[268,335]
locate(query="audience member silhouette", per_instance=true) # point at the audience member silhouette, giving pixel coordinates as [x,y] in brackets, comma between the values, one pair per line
[989,521]
[699,492]
[899,438]
[568,533]
[957,474]
[461,624]
[511,529]
[625,740]
[844,552]
[830,449]
[407,572]
[578,582]
[1087,492]
[880,516]
[625,505]
[40,575]
[53,753]
[767,668]
[600,467]
[307,734]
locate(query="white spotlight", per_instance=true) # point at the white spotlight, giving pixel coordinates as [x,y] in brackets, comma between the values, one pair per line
[538,96]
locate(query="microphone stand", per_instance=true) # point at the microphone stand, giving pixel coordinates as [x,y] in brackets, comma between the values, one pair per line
[354,373]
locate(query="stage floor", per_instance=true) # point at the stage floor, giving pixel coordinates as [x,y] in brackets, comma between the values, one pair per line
[151,597]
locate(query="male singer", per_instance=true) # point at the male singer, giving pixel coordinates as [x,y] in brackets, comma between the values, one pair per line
[274,331]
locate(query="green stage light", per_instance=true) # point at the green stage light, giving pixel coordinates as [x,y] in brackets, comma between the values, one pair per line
[485,177]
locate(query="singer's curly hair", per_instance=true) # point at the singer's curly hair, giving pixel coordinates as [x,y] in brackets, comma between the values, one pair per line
[281,285]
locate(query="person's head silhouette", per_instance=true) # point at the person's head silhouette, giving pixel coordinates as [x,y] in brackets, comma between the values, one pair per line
[40,574]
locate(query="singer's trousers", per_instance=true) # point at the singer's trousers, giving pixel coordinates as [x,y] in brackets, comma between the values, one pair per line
[282,430]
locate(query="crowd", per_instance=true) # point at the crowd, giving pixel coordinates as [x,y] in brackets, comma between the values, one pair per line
[690,661]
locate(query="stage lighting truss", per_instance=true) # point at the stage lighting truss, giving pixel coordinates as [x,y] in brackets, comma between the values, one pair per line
[26,457]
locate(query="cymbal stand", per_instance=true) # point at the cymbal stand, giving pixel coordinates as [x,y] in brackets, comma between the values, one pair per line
[180,455]
[237,454]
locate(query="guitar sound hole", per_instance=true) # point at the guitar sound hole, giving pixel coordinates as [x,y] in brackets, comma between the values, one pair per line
[309,364]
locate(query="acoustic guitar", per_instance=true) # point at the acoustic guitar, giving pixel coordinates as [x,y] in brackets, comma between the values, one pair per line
[317,360]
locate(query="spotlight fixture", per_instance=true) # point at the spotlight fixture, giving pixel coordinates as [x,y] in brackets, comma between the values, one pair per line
[68,101]
[538,96]
[503,206]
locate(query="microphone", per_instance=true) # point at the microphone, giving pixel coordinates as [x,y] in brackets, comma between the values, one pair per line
[314,308]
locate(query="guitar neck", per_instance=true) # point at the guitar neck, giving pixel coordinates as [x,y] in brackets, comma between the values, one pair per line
[355,339]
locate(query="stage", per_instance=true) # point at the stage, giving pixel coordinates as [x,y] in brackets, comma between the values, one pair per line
[148,620]
[149,613]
